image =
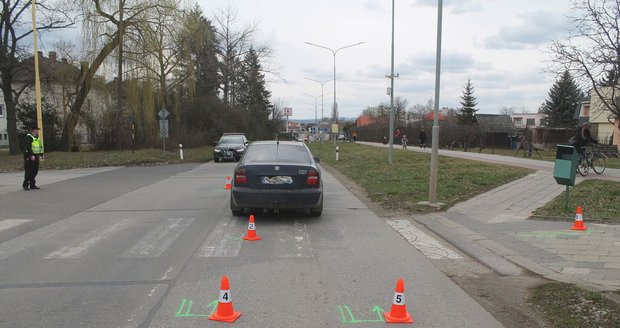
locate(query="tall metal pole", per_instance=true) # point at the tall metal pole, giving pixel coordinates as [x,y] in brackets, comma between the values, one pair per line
[316,123]
[322,83]
[391,76]
[435,135]
[37,81]
[335,106]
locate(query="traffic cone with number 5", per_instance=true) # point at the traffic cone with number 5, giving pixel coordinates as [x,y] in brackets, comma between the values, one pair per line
[225,311]
[398,313]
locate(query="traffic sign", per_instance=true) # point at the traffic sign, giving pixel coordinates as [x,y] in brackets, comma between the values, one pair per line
[163,128]
[163,114]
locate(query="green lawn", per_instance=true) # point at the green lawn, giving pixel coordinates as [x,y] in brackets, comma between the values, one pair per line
[406,182]
[600,200]
[67,160]
[568,306]
[545,155]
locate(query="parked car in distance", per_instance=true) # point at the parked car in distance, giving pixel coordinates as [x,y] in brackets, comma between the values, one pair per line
[231,146]
[277,175]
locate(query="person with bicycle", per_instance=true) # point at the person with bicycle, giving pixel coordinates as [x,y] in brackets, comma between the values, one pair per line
[582,138]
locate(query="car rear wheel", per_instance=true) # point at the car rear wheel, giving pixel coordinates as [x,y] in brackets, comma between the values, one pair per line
[236,211]
[316,212]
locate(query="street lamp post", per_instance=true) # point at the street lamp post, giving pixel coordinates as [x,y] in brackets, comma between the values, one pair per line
[316,123]
[322,92]
[391,77]
[432,197]
[334,52]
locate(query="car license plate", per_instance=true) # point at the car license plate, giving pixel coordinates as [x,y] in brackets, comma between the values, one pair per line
[276,180]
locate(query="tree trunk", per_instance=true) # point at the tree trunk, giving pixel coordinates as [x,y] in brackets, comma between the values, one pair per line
[83,88]
[11,110]
[68,131]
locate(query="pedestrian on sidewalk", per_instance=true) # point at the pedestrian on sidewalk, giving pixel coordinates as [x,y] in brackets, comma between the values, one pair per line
[422,137]
[33,153]
[404,141]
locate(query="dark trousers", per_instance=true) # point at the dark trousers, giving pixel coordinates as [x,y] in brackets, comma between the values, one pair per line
[31,169]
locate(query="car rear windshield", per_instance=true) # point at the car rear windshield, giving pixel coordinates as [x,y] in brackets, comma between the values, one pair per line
[275,153]
[231,140]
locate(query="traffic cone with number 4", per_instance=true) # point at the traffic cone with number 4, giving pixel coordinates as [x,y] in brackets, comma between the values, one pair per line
[225,311]
[251,234]
[398,313]
[579,225]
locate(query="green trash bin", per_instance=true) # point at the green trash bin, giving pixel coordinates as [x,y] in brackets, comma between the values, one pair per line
[565,165]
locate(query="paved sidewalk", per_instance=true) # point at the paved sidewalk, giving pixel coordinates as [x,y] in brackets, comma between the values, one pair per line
[493,228]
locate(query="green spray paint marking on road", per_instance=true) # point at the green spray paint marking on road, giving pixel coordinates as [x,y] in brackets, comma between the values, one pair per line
[189,304]
[351,320]
[552,234]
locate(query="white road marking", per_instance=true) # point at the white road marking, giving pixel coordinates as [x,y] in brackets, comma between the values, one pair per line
[11,223]
[429,246]
[159,239]
[92,238]
[224,241]
[32,238]
[295,242]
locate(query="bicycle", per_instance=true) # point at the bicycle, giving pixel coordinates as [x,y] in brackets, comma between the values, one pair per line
[593,159]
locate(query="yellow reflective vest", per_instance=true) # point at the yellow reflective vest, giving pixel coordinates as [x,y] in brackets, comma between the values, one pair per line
[37,146]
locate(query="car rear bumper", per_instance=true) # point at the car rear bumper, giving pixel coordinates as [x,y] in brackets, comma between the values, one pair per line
[276,198]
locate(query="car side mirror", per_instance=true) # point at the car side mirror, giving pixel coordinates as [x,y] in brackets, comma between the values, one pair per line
[318,160]
[215,143]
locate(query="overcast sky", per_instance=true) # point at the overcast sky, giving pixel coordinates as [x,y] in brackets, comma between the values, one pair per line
[499,44]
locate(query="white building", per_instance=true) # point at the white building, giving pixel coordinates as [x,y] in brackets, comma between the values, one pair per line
[4,135]
[527,120]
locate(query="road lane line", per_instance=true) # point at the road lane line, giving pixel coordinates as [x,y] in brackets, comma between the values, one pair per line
[11,223]
[32,238]
[92,238]
[224,241]
[159,239]
[294,242]
[429,246]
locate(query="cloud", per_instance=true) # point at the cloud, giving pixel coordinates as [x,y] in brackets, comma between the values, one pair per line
[456,6]
[535,29]
[450,63]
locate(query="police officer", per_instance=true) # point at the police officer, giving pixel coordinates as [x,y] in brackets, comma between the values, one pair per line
[33,152]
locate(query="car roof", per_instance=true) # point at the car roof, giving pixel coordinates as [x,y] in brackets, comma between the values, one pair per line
[233,134]
[273,142]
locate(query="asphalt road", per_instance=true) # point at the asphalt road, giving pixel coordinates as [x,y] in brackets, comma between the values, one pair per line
[147,247]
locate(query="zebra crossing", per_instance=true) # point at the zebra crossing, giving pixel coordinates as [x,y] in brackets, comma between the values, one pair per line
[84,235]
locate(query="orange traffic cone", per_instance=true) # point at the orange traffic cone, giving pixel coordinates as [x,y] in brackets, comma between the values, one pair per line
[228,185]
[398,313]
[579,225]
[251,234]
[225,311]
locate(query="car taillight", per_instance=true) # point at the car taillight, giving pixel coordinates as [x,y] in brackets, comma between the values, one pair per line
[313,178]
[240,177]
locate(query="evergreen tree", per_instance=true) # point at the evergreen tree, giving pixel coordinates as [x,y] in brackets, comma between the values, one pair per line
[252,94]
[564,97]
[200,47]
[468,109]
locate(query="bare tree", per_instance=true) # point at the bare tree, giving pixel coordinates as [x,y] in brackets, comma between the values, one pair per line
[505,110]
[591,52]
[15,29]
[232,46]
[105,24]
